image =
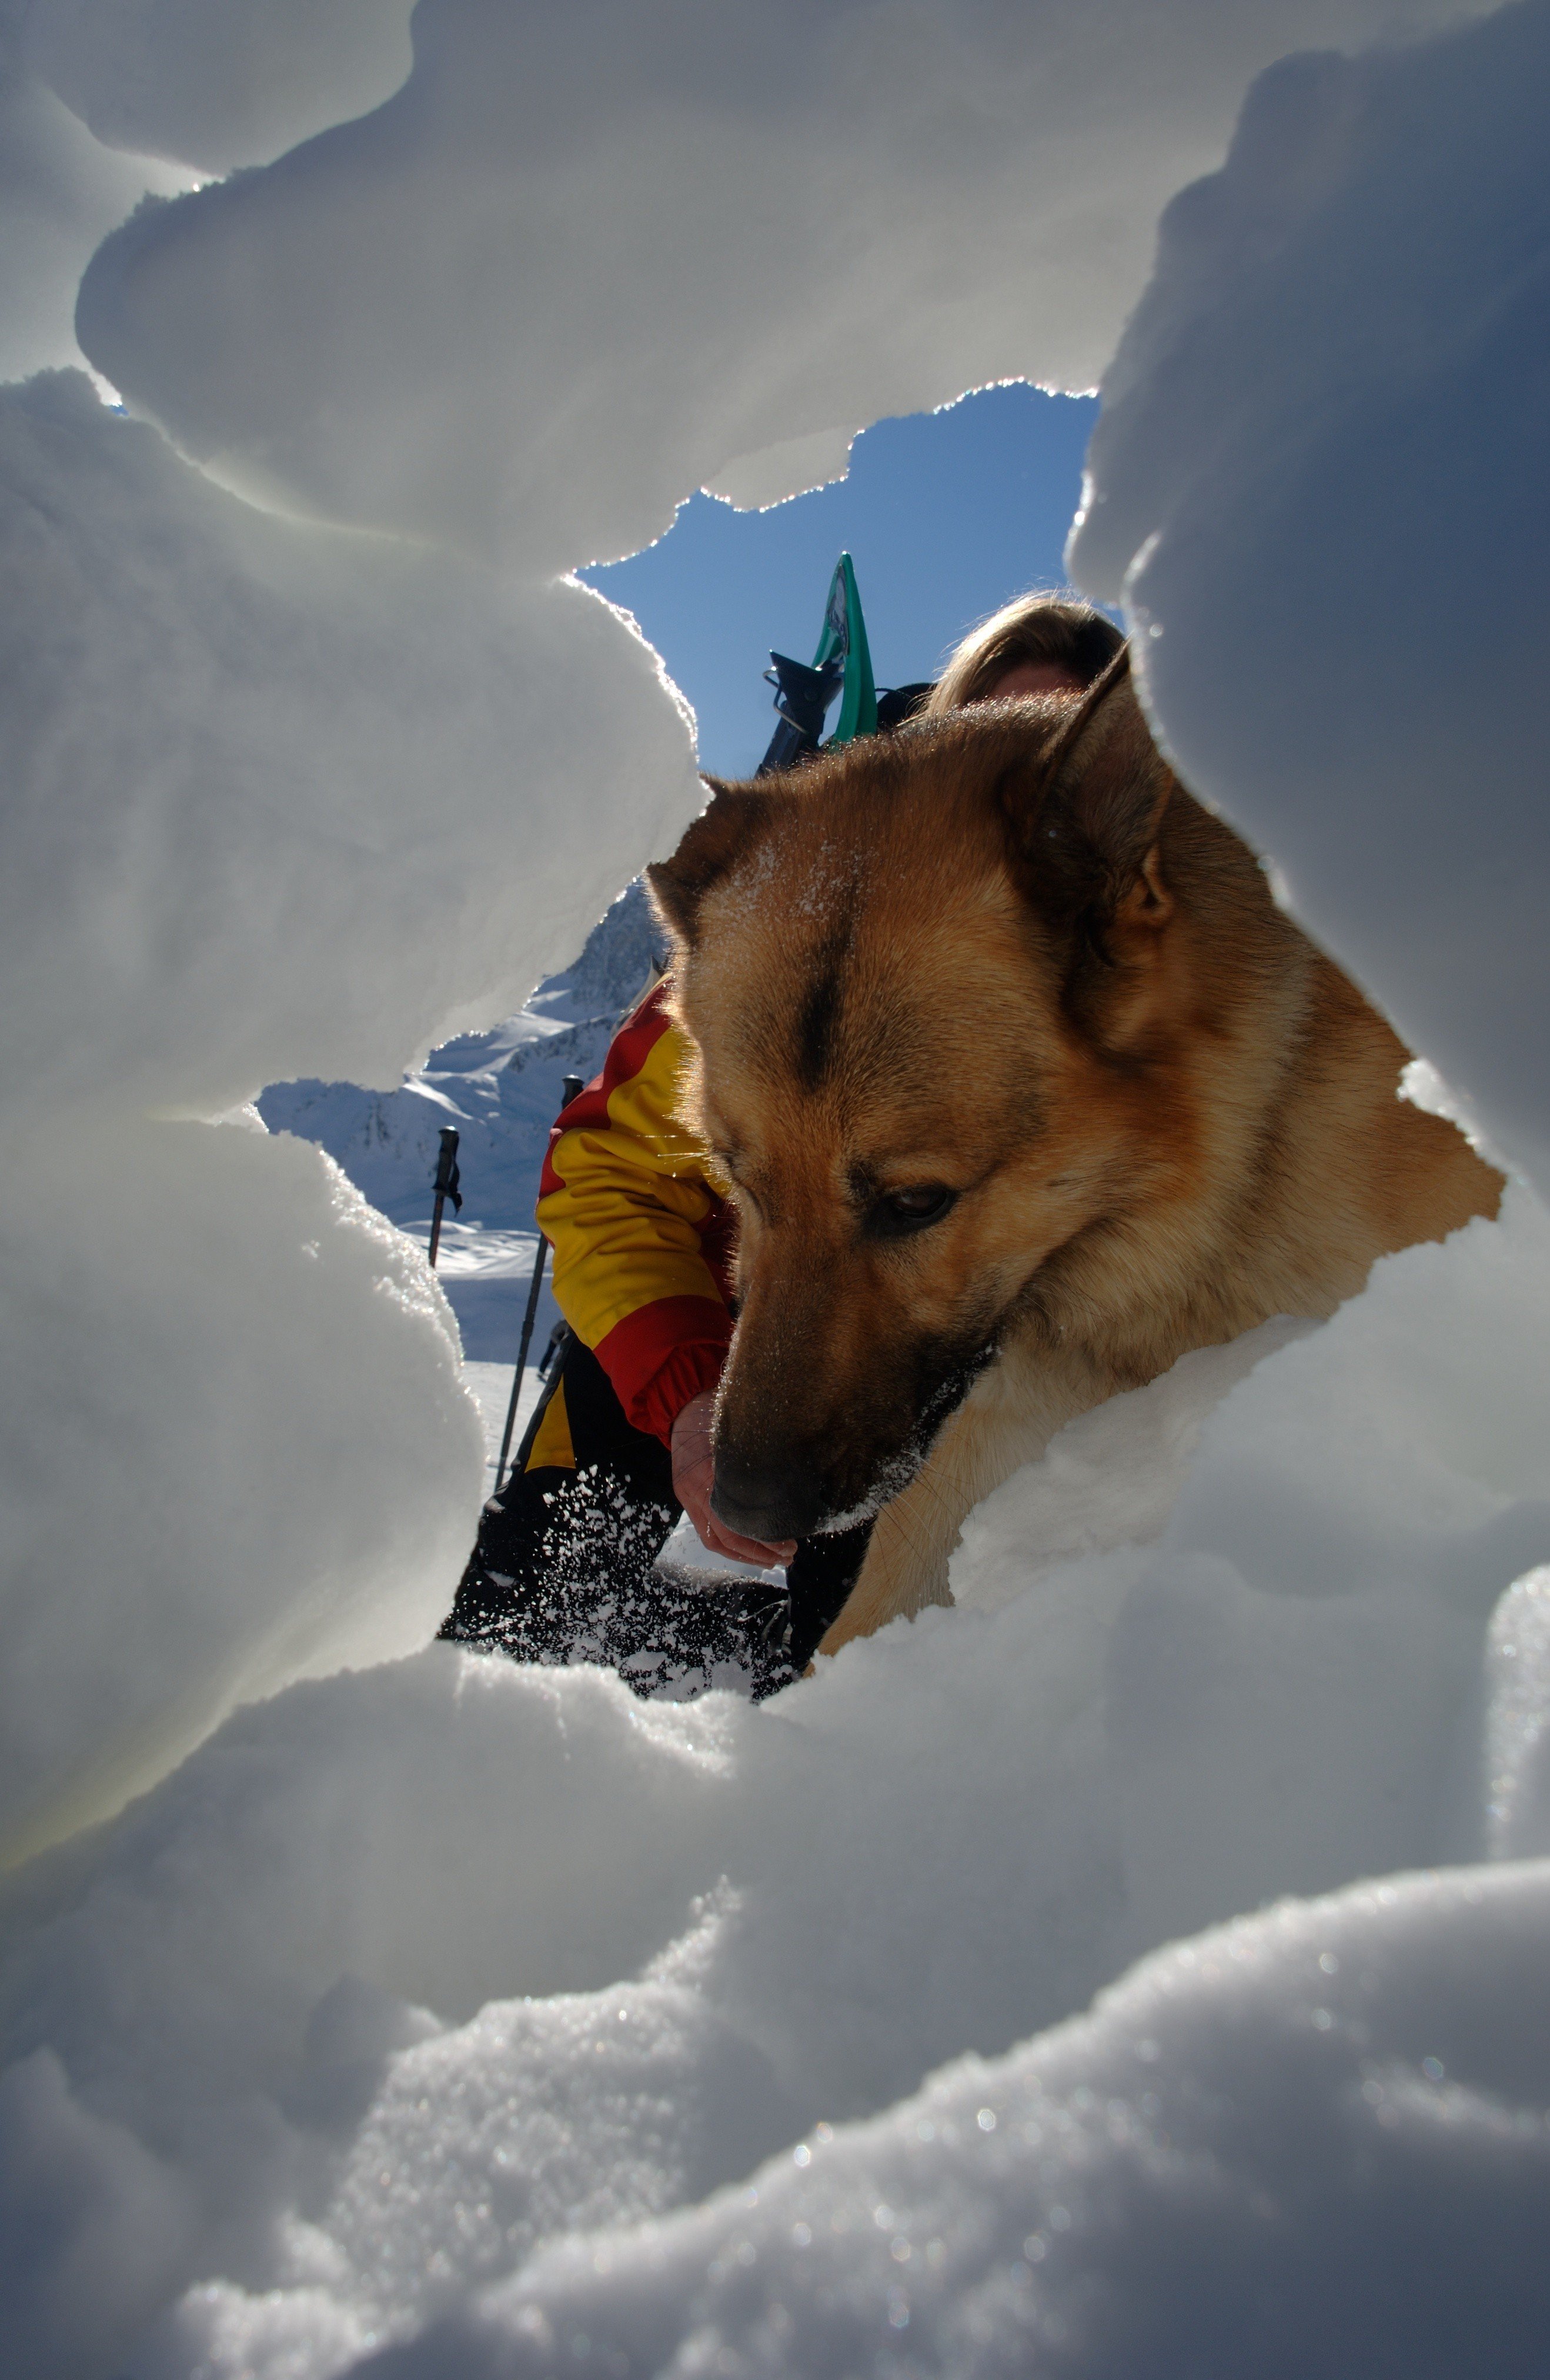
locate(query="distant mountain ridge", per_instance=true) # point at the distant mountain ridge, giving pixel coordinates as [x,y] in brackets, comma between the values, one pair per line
[502,1091]
[501,1088]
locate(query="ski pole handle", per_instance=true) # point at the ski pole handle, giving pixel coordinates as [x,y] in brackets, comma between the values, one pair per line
[446,1186]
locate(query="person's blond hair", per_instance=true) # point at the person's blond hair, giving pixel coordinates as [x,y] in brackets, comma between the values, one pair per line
[1059,629]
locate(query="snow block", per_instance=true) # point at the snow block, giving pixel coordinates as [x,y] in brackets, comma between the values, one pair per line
[280,802]
[1318,481]
[234,1445]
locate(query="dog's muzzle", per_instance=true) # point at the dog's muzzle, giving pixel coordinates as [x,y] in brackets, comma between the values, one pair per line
[765,1504]
[796,1495]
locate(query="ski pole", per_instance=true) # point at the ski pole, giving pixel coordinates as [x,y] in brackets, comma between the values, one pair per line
[445,1187]
[570,1086]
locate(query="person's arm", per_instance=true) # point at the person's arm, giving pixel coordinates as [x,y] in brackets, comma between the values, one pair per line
[642,1240]
[643,1256]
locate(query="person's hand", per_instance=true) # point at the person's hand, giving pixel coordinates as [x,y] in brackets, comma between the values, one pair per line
[693,1475]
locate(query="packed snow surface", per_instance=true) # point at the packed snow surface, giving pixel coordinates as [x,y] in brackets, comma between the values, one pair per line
[61,190]
[178,84]
[258,823]
[365,2005]
[332,2040]
[217,83]
[235,1448]
[590,258]
[286,801]
[1318,481]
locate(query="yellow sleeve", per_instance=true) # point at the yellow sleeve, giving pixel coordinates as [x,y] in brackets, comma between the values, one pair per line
[637,1229]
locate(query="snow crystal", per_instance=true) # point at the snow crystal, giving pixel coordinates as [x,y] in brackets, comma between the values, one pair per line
[1316,2142]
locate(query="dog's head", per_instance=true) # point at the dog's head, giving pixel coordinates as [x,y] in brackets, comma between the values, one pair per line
[929,981]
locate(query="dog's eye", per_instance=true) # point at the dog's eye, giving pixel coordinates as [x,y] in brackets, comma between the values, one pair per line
[911,1210]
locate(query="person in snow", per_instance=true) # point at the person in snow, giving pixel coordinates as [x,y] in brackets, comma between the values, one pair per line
[565,1562]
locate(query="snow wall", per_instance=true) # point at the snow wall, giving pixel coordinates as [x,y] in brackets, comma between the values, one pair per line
[390,2029]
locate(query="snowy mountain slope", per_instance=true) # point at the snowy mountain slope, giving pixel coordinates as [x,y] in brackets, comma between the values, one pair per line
[499,1088]
[502,1089]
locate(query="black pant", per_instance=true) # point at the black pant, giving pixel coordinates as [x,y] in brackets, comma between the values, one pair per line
[565,1565]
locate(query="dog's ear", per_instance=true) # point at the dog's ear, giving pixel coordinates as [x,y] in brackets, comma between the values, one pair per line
[1085,818]
[1107,776]
[722,832]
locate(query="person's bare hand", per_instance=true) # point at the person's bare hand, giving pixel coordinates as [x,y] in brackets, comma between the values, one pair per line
[693,1475]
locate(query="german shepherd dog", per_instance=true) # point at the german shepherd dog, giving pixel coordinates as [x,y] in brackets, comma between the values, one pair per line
[1023,1086]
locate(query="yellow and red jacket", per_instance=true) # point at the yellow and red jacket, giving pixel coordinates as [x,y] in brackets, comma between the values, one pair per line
[642,1240]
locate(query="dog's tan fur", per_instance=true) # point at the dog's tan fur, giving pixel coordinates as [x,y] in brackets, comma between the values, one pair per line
[1008,955]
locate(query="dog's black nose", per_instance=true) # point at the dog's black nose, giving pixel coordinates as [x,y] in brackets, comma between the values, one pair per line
[760,1500]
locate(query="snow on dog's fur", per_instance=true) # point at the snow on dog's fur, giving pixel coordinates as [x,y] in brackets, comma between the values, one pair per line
[1023,1086]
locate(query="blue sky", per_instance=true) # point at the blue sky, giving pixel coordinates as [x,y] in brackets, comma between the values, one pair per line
[947,515]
